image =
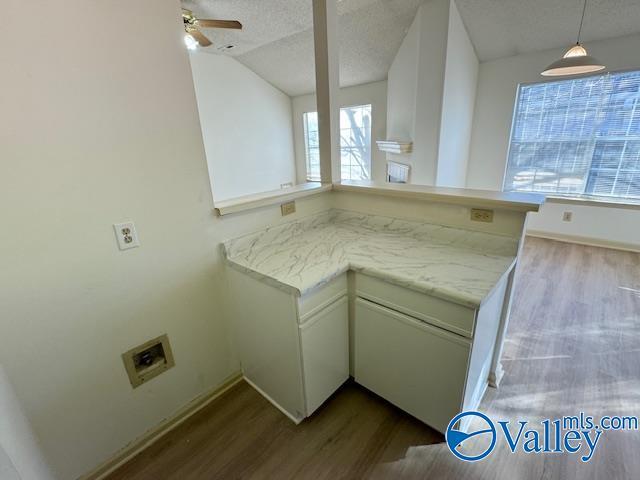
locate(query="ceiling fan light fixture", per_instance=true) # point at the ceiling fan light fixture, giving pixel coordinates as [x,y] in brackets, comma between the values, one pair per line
[576,61]
[192,25]
[190,42]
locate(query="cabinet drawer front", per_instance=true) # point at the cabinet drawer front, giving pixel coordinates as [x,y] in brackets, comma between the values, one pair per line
[419,368]
[319,298]
[438,312]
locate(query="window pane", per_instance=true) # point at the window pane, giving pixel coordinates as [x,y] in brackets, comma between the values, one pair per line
[577,137]
[355,142]
[312,145]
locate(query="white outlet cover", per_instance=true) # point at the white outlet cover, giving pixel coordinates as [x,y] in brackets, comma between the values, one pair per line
[126,235]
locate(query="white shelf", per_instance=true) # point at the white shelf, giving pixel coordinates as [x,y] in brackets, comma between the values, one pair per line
[524,202]
[395,146]
[274,197]
[460,196]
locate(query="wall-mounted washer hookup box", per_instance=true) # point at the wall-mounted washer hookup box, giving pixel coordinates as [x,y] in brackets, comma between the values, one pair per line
[148,360]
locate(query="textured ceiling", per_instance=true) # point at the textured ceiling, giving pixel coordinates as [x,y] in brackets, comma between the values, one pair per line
[500,28]
[277,39]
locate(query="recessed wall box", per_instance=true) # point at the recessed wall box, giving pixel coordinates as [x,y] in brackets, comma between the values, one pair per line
[481,215]
[397,172]
[148,360]
[288,208]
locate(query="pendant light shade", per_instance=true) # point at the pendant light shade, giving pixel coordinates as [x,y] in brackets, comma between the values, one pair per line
[576,60]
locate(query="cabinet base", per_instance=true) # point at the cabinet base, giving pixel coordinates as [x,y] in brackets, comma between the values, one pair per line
[495,377]
[291,417]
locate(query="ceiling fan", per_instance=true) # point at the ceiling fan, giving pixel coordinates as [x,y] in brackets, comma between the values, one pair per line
[192,25]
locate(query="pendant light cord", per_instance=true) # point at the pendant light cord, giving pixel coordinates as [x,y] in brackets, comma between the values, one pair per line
[584,9]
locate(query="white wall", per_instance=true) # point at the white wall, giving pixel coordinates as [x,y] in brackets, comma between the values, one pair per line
[94,132]
[402,91]
[433,18]
[431,95]
[414,98]
[402,87]
[20,455]
[605,226]
[495,99]
[458,102]
[370,93]
[7,469]
[246,127]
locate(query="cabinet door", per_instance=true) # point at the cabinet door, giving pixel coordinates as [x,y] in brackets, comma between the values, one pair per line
[417,367]
[325,352]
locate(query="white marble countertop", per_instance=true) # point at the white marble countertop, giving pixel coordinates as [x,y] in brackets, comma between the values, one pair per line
[462,266]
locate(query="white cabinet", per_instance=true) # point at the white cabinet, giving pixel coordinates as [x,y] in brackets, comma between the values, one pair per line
[417,367]
[325,352]
[428,356]
[294,351]
[266,335]
[432,310]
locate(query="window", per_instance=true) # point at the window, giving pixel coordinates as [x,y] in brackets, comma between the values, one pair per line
[312,146]
[355,143]
[577,137]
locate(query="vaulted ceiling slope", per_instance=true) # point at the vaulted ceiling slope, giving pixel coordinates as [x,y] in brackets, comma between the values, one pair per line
[501,28]
[277,39]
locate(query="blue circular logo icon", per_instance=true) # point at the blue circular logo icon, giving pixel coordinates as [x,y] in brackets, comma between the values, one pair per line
[483,431]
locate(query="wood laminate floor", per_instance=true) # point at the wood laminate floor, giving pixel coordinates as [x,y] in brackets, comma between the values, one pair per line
[573,345]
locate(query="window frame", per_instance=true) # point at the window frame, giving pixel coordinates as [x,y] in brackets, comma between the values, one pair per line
[356,105]
[306,148]
[340,108]
[601,199]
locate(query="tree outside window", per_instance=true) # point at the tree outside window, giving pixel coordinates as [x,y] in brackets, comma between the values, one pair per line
[355,143]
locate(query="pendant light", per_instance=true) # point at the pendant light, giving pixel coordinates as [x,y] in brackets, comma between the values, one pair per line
[576,60]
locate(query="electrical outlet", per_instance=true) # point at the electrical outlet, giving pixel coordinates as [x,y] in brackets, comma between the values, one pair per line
[481,215]
[288,208]
[286,185]
[126,235]
[567,216]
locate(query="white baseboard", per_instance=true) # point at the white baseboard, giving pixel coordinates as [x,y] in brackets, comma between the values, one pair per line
[273,402]
[589,241]
[168,424]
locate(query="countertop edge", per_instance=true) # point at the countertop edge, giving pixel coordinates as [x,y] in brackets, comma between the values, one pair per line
[264,278]
[521,202]
[458,298]
[251,202]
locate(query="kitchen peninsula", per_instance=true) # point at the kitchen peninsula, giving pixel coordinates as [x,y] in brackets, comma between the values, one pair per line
[412,310]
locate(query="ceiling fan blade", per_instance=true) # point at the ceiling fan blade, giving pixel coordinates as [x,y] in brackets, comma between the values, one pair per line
[219,24]
[200,38]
